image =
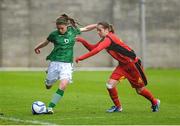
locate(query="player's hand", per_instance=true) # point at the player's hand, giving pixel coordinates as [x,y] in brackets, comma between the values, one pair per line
[77,59]
[37,51]
[79,39]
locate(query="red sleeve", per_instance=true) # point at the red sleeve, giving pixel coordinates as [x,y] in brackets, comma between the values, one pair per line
[102,45]
[87,44]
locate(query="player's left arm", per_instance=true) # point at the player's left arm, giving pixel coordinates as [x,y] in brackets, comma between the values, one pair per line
[104,44]
[88,28]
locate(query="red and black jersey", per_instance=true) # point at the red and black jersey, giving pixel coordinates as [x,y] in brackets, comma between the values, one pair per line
[119,50]
[114,46]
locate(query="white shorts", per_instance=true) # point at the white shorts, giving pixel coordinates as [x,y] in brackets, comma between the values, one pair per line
[59,71]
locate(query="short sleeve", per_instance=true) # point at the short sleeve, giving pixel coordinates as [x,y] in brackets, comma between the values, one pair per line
[77,31]
[50,37]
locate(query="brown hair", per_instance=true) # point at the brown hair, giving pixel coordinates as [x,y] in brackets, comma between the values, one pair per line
[65,19]
[107,26]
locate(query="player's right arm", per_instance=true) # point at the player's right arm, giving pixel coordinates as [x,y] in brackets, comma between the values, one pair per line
[87,44]
[102,45]
[40,45]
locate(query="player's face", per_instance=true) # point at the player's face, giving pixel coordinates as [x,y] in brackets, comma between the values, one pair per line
[62,28]
[101,31]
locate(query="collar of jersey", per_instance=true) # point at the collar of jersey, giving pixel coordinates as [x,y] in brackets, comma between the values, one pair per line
[61,33]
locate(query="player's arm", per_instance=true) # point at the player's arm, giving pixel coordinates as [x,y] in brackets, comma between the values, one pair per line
[40,45]
[104,44]
[87,44]
[88,28]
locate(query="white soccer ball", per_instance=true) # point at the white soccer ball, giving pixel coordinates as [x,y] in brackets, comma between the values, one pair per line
[38,107]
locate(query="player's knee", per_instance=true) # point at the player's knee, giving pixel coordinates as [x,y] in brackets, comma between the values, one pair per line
[139,90]
[49,82]
[111,83]
[109,86]
[64,83]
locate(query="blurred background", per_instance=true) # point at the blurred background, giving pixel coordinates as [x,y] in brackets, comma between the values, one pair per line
[150,27]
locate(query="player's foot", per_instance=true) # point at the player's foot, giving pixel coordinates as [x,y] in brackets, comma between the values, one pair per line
[49,111]
[114,109]
[155,108]
[48,87]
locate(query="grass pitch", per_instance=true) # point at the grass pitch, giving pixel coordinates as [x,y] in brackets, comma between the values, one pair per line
[86,100]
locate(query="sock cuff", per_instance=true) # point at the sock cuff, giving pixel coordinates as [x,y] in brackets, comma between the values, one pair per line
[60,92]
[51,105]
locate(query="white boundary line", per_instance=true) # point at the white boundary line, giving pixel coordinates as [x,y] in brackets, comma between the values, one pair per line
[26,121]
[35,122]
[46,123]
[43,123]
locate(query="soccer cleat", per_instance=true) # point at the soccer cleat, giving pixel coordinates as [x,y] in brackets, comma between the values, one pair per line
[155,108]
[49,111]
[48,87]
[114,109]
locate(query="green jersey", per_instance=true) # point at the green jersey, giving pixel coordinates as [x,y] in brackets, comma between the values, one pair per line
[63,45]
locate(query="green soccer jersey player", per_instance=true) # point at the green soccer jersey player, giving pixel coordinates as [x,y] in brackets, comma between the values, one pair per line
[61,57]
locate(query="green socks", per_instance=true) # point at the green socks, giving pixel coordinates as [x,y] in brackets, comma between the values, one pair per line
[56,98]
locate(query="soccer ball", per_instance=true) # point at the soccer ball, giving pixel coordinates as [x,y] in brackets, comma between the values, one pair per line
[38,107]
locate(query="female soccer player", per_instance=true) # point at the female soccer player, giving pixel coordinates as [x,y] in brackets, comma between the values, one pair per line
[129,65]
[61,57]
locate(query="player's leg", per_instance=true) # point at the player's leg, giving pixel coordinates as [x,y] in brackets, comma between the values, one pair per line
[112,89]
[137,78]
[58,95]
[52,75]
[143,91]
[65,77]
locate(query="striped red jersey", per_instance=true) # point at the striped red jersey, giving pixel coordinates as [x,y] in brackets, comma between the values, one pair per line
[119,50]
[113,45]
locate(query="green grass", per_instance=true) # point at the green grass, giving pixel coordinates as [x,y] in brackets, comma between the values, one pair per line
[86,100]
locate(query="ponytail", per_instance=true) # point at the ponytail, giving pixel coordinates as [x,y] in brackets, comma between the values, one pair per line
[111,28]
[65,19]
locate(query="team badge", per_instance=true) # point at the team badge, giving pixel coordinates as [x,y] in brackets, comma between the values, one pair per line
[66,41]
